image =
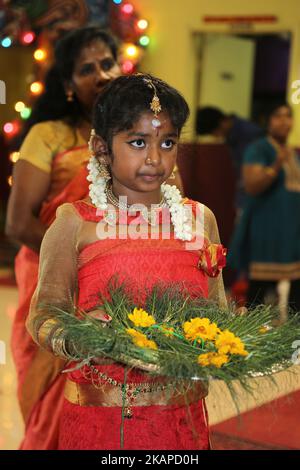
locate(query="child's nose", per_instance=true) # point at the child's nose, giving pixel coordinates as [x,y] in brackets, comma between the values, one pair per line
[153,156]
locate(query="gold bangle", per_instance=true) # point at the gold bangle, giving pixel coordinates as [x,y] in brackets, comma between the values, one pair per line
[58,343]
[270,172]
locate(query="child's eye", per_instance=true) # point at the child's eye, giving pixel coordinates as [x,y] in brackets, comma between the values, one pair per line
[138,143]
[168,144]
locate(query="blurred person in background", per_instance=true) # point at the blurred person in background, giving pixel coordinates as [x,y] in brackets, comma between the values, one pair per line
[266,243]
[235,131]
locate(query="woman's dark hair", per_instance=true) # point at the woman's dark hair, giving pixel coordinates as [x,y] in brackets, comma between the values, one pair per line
[124,99]
[273,108]
[53,104]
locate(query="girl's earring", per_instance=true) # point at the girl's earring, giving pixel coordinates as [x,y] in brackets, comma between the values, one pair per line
[172,176]
[70,96]
[104,170]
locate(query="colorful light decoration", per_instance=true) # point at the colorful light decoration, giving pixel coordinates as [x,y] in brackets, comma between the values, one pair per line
[25,113]
[127,8]
[27,37]
[36,88]
[131,51]
[6,42]
[40,55]
[8,128]
[11,128]
[142,24]
[19,106]
[127,66]
[144,41]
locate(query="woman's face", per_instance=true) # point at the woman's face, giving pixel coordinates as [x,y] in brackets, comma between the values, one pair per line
[94,68]
[281,122]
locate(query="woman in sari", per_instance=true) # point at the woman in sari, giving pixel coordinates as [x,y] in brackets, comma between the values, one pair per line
[266,243]
[137,124]
[51,171]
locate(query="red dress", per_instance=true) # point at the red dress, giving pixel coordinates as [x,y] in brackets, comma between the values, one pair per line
[165,427]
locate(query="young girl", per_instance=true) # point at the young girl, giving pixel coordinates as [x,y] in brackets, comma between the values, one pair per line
[137,124]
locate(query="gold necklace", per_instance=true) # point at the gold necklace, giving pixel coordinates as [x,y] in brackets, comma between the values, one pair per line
[147,215]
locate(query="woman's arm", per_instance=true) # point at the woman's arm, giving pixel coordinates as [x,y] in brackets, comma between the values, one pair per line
[258,178]
[29,190]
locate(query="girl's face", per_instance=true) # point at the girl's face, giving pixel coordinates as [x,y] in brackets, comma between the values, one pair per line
[144,156]
[281,123]
[94,68]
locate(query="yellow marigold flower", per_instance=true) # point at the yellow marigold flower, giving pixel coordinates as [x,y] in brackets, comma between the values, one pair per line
[212,358]
[200,328]
[228,343]
[141,340]
[141,318]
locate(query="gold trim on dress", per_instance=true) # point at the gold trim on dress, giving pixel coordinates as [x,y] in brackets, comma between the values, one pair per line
[86,394]
[274,271]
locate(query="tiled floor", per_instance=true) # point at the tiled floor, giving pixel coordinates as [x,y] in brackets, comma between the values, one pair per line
[219,402]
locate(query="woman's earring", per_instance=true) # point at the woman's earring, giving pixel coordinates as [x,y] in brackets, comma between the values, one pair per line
[70,96]
[172,176]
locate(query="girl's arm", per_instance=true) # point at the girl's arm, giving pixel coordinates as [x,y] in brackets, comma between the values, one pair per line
[57,282]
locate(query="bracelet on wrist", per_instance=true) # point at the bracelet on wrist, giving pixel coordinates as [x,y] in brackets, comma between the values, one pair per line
[270,172]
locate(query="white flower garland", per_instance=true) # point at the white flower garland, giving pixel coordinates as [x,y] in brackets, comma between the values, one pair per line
[179,214]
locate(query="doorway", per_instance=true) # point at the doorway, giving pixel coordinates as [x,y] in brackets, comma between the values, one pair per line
[242,74]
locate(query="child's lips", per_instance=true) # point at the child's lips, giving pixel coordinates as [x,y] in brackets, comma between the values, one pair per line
[150,177]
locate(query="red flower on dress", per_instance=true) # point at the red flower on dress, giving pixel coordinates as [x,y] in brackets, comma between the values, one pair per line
[212,259]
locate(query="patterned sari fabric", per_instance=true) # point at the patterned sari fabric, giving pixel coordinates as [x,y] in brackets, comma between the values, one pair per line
[76,264]
[50,147]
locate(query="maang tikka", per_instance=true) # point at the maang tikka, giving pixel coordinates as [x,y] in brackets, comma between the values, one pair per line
[155,105]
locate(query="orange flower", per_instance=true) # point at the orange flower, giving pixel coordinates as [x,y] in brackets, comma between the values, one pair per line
[141,318]
[200,329]
[141,340]
[212,358]
[228,343]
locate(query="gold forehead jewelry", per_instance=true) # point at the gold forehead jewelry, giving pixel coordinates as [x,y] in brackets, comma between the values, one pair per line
[155,105]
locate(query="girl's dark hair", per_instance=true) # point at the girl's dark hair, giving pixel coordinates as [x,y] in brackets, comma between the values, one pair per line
[124,99]
[53,104]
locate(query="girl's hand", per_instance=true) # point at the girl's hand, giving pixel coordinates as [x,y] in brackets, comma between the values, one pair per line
[241,311]
[101,315]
